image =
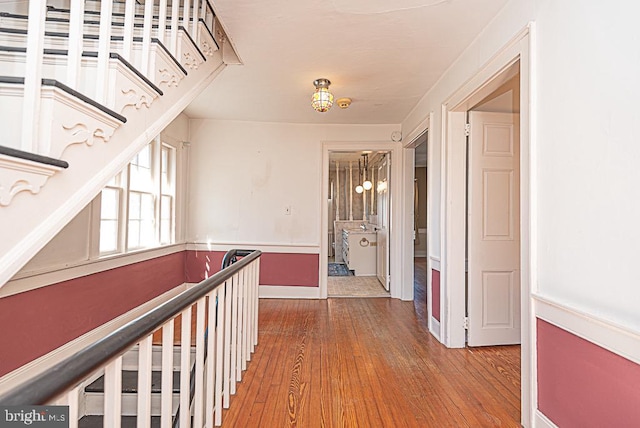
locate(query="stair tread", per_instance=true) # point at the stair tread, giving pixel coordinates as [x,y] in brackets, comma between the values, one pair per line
[130,382]
[96,421]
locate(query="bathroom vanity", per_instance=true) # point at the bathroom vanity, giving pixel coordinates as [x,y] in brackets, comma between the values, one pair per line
[359,251]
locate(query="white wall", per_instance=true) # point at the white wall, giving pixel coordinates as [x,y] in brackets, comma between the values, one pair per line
[587,149]
[244,174]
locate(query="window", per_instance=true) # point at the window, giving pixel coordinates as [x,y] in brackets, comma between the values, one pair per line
[139,203]
[109,219]
[167,194]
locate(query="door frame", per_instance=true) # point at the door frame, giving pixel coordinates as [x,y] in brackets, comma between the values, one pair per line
[401,285]
[453,201]
[412,141]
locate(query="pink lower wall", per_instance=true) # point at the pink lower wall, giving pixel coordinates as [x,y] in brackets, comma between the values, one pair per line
[275,268]
[583,385]
[435,294]
[39,321]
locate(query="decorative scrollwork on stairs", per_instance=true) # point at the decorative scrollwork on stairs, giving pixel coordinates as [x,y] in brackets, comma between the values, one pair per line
[168,78]
[132,98]
[190,61]
[207,49]
[18,175]
[80,133]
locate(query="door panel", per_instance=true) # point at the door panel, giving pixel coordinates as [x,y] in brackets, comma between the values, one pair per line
[382,231]
[494,229]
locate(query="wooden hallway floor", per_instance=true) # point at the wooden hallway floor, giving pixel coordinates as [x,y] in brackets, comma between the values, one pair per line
[369,363]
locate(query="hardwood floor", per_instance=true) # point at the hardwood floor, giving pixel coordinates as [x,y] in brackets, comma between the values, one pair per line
[369,363]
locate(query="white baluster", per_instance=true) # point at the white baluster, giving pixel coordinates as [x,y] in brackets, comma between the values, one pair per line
[33,78]
[198,395]
[185,369]
[104,46]
[146,36]
[113,393]
[220,328]
[129,18]
[175,11]
[256,301]
[250,308]
[227,341]
[186,6]
[246,323]
[242,323]
[166,393]
[144,382]
[74,57]
[211,360]
[204,11]
[162,21]
[194,26]
[234,335]
[74,407]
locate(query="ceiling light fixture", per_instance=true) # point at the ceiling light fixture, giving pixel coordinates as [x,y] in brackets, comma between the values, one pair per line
[322,99]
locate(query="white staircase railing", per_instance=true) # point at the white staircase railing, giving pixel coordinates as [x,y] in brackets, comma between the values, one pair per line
[225,309]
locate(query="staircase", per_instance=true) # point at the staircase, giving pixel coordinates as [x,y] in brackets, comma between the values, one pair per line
[81,94]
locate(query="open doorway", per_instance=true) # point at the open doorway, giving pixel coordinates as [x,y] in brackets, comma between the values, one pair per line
[358,208]
[420,232]
[514,59]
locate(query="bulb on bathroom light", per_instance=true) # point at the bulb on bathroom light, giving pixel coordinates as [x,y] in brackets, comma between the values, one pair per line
[367,185]
[359,189]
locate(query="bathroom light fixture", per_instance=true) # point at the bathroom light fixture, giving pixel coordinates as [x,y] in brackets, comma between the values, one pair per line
[368,185]
[359,187]
[322,99]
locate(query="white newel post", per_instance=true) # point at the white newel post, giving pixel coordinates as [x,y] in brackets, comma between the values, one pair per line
[33,77]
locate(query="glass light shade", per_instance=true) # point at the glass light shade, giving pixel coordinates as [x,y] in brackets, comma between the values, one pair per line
[322,100]
[367,185]
[359,189]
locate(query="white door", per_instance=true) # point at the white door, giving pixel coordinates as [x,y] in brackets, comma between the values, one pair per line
[382,231]
[494,229]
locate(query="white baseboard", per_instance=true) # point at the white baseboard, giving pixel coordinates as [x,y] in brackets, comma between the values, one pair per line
[288,292]
[45,362]
[420,254]
[434,328]
[541,421]
[606,334]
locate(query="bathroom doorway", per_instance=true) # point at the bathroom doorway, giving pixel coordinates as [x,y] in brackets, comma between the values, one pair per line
[358,223]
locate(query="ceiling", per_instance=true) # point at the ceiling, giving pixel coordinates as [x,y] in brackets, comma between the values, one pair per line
[383,54]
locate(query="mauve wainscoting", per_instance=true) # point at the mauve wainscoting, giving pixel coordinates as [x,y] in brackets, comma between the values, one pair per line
[284,269]
[583,385]
[39,321]
[435,294]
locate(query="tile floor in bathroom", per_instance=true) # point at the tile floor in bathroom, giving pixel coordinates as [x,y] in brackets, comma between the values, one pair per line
[355,286]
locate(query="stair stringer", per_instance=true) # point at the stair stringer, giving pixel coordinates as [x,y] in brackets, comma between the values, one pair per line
[33,220]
